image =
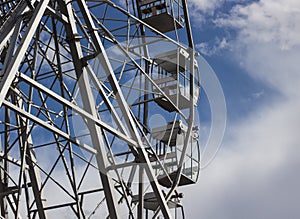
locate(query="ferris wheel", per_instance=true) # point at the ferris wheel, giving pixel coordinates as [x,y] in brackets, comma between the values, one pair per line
[97,109]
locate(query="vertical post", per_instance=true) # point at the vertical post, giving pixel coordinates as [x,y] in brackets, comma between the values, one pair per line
[141,192]
[67,125]
[3,187]
[146,97]
[35,181]
[147,71]
[187,23]
[4,166]
[89,106]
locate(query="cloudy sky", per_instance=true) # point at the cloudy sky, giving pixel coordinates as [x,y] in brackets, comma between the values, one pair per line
[254,48]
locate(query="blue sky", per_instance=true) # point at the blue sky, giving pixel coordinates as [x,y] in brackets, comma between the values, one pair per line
[253,46]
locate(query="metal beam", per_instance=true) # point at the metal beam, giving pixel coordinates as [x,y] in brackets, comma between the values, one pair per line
[106,100]
[8,26]
[4,156]
[9,75]
[77,109]
[49,127]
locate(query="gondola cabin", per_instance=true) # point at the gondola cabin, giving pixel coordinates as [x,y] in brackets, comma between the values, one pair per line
[172,74]
[163,15]
[169,145]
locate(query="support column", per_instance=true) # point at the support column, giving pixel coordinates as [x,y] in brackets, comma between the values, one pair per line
[141,192]
[90,107]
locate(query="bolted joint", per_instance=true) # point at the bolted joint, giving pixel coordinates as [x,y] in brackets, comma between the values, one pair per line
[75,38]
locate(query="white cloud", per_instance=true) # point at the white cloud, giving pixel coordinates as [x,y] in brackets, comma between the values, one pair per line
[255,174]
[275,66]
[214,48]
[201,9]
[268,41]
[257,95]
[266,21]
[206,6]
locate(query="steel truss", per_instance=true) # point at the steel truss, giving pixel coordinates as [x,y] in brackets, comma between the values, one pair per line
[78,87]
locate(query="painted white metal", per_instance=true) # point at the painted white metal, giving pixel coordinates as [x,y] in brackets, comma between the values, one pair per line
[48,80]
